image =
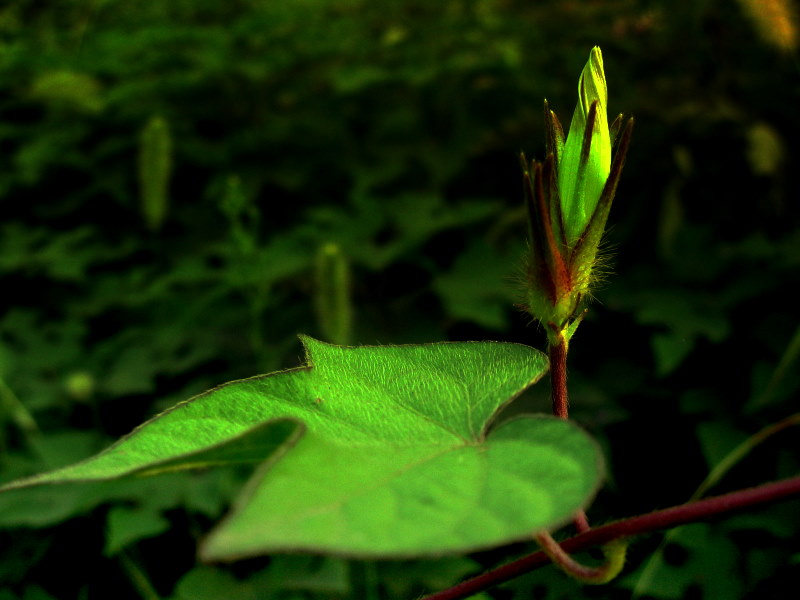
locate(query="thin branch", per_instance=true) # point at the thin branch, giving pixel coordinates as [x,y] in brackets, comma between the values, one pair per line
[654,521]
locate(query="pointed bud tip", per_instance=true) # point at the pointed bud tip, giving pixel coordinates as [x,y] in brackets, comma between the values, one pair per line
[596,62]
[592,84]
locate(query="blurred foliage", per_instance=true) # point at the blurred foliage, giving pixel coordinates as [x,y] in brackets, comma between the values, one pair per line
[389,129]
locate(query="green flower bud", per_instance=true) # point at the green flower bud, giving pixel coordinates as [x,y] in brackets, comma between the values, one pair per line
[586,160]
[569,196]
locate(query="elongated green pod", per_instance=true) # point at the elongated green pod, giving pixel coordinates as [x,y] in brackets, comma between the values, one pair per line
[332,294]
[155,169]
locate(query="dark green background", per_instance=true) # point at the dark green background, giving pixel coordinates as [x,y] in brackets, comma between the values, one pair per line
[390,128]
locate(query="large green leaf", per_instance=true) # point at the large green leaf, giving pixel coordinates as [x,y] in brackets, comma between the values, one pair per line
[373,451]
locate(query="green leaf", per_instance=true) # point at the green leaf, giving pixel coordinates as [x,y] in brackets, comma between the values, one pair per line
[206,493]
[285,576]
[477,286]
[411,578]
[71,89]
[706,560]
[207,583]
[371,451]
[128,525]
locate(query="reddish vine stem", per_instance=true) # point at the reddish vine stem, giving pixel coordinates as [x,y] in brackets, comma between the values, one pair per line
[661,519]
[613,561]
[557,350]
[558,377]
[581,522]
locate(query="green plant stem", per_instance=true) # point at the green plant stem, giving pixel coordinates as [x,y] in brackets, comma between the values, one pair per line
[789,357]
[742,450]
[661,519]
[17,412]
[138,578]
[364,579]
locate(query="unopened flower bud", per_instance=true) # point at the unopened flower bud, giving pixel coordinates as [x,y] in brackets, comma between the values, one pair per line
[586,160]
[569,197]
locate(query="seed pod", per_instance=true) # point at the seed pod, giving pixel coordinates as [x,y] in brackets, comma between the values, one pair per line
[332,294]
[155,168]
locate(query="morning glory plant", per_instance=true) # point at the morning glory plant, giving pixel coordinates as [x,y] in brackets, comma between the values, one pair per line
[378,452]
